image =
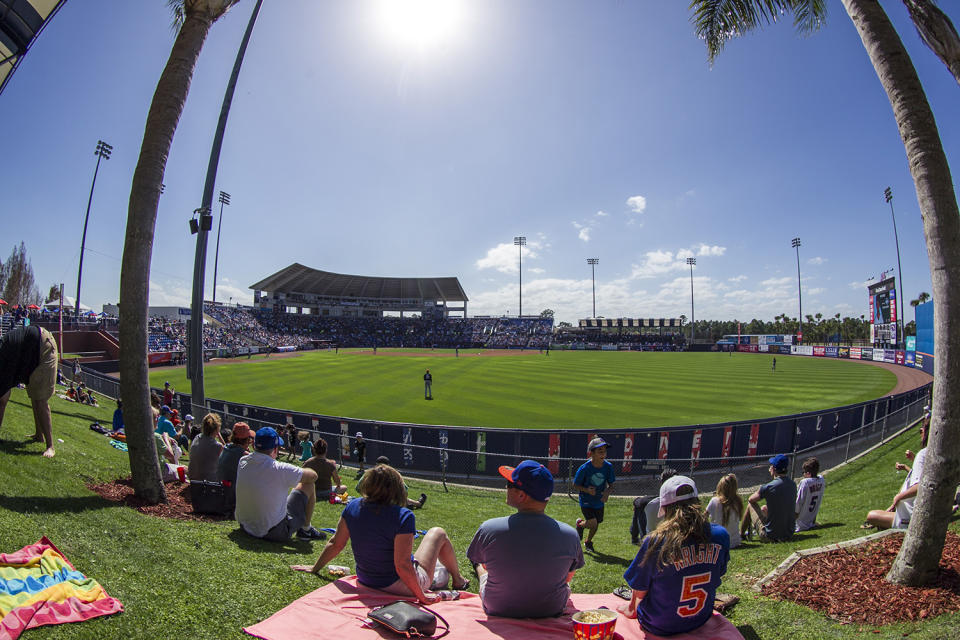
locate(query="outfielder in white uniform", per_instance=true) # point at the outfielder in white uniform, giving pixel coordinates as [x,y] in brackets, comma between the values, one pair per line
[809,495]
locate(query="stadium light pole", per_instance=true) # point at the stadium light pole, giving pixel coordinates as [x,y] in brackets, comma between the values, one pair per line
[795,243]
[103,151]
[224,199]
[195,330]
[691,262]
[593,277]
[521,242]
[888,194]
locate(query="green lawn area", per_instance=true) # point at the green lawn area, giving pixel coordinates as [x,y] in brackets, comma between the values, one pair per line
[207,580]
[564,389]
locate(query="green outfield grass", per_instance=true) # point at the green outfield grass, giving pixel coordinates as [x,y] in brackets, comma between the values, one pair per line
[562,390]
[200,580]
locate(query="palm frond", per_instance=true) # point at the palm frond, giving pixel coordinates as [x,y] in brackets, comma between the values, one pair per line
[717,21]
[176,7]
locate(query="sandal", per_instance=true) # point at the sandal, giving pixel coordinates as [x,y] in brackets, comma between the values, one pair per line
[623,591]
[866,525]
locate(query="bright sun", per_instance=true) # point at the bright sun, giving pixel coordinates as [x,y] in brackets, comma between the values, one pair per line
[420,23]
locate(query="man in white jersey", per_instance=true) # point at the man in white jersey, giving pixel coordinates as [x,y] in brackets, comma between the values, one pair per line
[809,495]
[898,514]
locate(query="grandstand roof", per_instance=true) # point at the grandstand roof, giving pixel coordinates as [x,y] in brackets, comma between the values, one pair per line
[300,279]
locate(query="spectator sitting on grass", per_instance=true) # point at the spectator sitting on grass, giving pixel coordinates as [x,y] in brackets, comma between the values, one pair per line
[266,508]
[525,561]
[645,509]
[726,508]
[326,471]
[411,504]
[169,453]
[898,514]
[776,520]
[118,417]
[163,423]
[380,531]
[205,450]
[678,568]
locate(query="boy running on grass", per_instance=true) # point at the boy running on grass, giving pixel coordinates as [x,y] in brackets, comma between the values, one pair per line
[594,480]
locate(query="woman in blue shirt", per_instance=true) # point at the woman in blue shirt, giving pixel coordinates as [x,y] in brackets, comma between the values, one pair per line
[679,566]
[381,529]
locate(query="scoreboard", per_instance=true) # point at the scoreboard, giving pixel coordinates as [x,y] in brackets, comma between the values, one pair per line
[882,298]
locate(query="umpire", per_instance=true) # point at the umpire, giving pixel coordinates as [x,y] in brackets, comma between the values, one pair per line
[28,355]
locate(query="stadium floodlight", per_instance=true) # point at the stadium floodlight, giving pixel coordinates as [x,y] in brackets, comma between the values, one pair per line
[593,277]
[103,151]
[224,199]
[691,262]
[521,242]
[888,194]
[795,243]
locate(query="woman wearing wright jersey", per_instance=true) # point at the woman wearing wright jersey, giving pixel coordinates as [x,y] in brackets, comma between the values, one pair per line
[679,566]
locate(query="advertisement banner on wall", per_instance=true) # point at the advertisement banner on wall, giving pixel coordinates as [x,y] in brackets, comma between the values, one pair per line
[889,355]
[553,454]
[754,439]
[918,360]
[910,359]
[763,348]
[664,447]
[407,451]
[866,353]
[900,357]
[159,358]
[911,343]
[345,440]
[727,441]
[880,355]
[747,348]
[627,452]
[855,353]
[843,352]
[818,351]
[801,350]
[481,451]
[830,352]
[695,446]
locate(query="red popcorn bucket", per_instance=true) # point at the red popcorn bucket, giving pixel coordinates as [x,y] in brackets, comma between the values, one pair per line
[594,624]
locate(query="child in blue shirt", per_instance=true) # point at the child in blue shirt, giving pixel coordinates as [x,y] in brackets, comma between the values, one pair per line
[594,480]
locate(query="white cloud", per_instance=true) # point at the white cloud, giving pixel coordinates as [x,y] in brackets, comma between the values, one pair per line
[538,270]
[504,256]
[707,250]
[815,291]
[601,214]
[637,204]
[585,234]
[657,263]
[816,260]
[860,284]
[169,294]
[739,278]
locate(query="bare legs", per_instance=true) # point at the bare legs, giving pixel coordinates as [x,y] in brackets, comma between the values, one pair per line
[44,425]
[437,546]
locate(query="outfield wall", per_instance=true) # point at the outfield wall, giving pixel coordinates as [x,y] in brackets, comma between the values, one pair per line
[467,453]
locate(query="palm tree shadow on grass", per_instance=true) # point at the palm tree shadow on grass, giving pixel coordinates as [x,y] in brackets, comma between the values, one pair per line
[53,504]
[606,558]
[21,447]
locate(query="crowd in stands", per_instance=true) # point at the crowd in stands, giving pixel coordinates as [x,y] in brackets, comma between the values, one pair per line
[238,327]
[630,340]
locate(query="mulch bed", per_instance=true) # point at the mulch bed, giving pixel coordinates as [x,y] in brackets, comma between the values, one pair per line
[177,507]
[848,585]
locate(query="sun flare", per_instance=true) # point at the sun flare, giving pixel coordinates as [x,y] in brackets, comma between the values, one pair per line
[420,23]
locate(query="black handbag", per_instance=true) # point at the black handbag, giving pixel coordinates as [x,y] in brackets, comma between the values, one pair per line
[408,619]
[208,497]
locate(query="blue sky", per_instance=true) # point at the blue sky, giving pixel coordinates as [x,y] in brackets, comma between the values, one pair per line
[595,129]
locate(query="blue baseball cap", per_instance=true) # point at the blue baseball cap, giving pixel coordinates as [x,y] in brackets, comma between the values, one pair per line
[532,478]
[164,409]
[267,438]
[780,462]
[596,443]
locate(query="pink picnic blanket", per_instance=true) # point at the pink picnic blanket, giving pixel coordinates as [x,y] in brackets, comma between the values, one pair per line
[337,610]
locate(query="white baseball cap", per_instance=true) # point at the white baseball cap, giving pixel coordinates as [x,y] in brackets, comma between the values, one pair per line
[676,489]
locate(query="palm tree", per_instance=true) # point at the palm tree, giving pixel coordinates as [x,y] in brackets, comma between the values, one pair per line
[193,19]
[718,20]
[923,297]
[937,32]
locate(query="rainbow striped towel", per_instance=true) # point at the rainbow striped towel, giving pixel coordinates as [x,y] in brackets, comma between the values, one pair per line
[38,586]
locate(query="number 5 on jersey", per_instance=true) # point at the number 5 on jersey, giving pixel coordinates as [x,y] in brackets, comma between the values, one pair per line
[693,590]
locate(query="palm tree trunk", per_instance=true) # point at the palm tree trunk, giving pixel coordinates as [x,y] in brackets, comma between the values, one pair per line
[919,557]
[938,32]
[162,120]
